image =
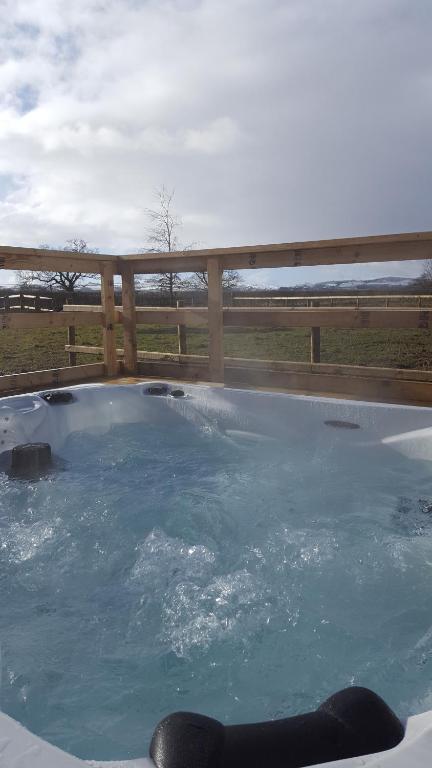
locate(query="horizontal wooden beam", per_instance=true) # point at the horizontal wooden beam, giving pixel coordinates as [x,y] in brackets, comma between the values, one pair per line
[19,382]
[191,316]
[362,388]
[82,308]
[33,320]
[403,391]
[326,317]
[354,250]
[36,259]
[276,366]
[337,296]
[286,317]
[381,248]
[268,317]
[360,371]
[86,349]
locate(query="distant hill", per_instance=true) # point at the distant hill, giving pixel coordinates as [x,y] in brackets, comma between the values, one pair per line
[384,284]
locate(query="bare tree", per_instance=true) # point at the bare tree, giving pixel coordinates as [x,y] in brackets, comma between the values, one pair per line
[163,235]
[162,238]
[65,281]
[230,279]
[425,278]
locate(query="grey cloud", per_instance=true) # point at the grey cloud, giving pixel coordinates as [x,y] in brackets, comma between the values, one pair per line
[274,121]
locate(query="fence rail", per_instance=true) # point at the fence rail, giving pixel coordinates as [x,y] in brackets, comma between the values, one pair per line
[382,383]
[23,303]
[333,299]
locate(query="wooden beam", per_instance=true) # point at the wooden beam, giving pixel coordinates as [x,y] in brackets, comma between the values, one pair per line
[181,336]
[315,341]
[354,250]
[129,320]
[358,371]
[35,320]
[191,316]
[273,317]
[172,370]
[276,366]
[18,382]
[108,322]
[86,349]
[405,246]
[361,388]
[82,308]
[269,316]
[215,321]
[71,340]
[337,296]
[315,345]
[325,317]
[37,259]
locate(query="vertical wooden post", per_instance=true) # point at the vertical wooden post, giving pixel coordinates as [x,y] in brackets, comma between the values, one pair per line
[315,345]
[71,338]
[108,309]
[215,320]
[315,341]
[181,336]
[22,302]
[129,319]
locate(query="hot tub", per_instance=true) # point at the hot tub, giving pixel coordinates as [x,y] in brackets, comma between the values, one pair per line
[234,553]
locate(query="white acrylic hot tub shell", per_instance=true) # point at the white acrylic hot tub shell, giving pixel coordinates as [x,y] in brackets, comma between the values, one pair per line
[247,414]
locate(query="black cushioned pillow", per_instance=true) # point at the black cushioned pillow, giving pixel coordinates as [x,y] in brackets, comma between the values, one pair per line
[350,723]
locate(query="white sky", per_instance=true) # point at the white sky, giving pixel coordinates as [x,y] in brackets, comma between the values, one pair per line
[274,121]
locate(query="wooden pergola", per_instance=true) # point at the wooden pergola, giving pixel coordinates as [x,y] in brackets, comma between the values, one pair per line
[402,385]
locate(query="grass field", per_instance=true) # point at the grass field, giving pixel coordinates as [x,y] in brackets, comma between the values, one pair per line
[22,351]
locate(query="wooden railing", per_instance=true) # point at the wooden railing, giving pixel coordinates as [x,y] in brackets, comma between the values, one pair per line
[359,299]
[380,383]
[26,302]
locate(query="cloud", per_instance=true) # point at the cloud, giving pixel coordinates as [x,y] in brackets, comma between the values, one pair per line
[274,121]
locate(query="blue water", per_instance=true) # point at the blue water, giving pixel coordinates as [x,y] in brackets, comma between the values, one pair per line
[165,569]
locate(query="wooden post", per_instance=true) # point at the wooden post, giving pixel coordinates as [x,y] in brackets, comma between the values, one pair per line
[71,338]
[22,302]
[215,320]
[315,340]
[129,320]
[108,308]
[181,336]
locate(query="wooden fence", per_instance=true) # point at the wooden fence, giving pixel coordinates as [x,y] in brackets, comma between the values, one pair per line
[376,383]
[26,302]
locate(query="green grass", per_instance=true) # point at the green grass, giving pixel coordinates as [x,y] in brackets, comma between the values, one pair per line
[29,350]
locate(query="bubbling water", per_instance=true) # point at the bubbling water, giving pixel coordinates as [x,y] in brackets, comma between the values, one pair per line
[165,569]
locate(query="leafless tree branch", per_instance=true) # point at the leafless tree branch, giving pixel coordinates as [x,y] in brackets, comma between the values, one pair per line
[65,281]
